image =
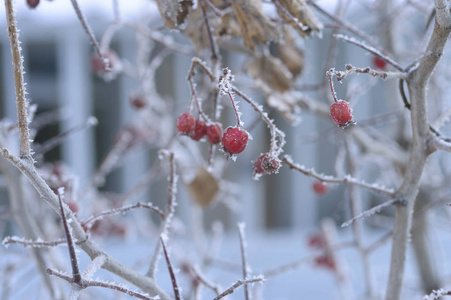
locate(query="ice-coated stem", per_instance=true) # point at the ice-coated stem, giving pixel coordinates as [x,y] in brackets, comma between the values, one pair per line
[21,102]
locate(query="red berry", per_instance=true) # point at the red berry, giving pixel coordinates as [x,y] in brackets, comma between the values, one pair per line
[138,101]
[186,123]
[341,113]
[234,140]
[316,241]
[319,187]
[214,133]
[199,130]
[266,164]
[325,261]
[379,63]
[32,3]
[97,64]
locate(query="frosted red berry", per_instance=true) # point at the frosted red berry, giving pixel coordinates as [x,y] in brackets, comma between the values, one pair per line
[319,188]
[325,261]
[138,101]
[186,123]
[379,63]
[266,164]
[234,140]
[32,3]
[214,133]
[200,129]
[316,241]
[341,113]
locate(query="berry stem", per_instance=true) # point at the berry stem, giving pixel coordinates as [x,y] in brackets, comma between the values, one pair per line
[274,131]
[191,73]
[21,102]
[329,73]
[238,121]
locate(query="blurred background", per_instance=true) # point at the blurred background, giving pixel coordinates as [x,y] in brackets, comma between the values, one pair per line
[282,210]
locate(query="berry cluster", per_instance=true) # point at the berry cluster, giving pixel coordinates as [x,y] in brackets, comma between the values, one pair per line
[197,129]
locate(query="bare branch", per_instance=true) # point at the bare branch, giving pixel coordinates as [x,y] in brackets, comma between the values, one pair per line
[123,209]
[370,49]
[90,34]
[237,284]
[21,102]
[175,285]
[243,256]
[351,69]
[94,283]
[369,212]
[28,243]
[70,244]
[346,180]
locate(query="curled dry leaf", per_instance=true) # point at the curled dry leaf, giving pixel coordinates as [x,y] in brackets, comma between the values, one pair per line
[271,71]
[290,54]
[298,14]
[255,27]
[286,105]
[174,12]
[203,188]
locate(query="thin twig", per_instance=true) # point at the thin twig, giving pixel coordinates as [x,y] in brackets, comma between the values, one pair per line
[21,102]
[348,26]
[345,180]
[273,130]
[94,283]
[370,49]
[28,243]
[213,45]
[237,284]
[58,139]
[385,238]
[170,209]
[90,34]
[350,69]
[171,272]
[243,256]
[123,209]
[70,244]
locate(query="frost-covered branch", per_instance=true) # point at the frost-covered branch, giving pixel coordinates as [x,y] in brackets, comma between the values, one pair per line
[370,49]
[369,212]
[95,283]
[123,209]
[90,34]
[237,284]
[375,188]
[76,276]
[243,246]
[174,282]
[28,243]
[351,69]
[21,101]
[93,250]
[274,131]
[170,209]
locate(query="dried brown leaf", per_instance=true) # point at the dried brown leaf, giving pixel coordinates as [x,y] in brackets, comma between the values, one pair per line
[255,27]
[174,12]
[298,14]
[203,188]
[271,71]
